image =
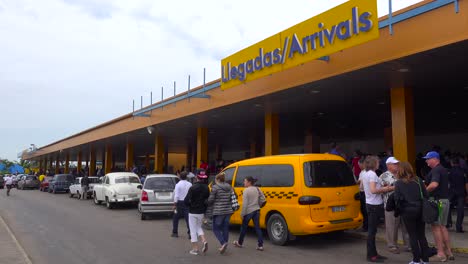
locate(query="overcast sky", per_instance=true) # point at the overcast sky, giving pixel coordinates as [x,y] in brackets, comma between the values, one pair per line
[69,65]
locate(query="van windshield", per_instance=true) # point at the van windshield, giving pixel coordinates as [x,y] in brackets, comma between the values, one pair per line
[328,173]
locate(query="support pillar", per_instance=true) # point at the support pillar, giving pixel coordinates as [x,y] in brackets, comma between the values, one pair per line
[129,157]
[159,154]
[40,166]
[92,162]
[403,124]
[147,162]
[50,164]
[57,164]
[108,159]
[271,134]
[78,163]
[67,163]
[311,143]
[202,145]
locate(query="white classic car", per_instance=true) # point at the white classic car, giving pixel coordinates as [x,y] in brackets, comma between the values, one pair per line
[117,187]
[75,188]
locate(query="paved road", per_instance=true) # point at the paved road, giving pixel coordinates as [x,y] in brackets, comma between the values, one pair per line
[55,229]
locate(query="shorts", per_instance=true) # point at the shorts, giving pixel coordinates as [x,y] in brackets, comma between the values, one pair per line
[444,211]
[8,186]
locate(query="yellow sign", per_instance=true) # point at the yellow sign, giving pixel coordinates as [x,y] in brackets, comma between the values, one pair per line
[350,24]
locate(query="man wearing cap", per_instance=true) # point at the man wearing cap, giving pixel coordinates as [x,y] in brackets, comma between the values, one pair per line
[438,190]
[392,223]
[180,210]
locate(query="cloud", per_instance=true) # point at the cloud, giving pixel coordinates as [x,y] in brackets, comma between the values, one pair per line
[102,9]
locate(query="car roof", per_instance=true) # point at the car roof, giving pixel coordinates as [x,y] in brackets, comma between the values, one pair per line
[120,174]
[160,176]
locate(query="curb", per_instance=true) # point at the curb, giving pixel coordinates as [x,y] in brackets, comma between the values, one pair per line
[18,246]
[381,238]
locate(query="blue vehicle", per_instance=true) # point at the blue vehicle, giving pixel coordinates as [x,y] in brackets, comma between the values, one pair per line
[61,183]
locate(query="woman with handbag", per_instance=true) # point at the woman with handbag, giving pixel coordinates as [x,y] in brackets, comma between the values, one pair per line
[221,203]
[409,195]
[251,199]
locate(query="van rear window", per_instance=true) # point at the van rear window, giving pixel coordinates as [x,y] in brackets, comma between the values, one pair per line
[328,173]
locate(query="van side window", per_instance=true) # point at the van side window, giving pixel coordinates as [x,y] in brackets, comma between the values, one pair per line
[328,173]
[229,174]
[281,175]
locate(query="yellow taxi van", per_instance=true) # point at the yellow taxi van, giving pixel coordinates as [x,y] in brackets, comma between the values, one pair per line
[306,194]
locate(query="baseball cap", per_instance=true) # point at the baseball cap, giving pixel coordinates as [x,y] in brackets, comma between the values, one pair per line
[202,175]
[432,155]
[392,160]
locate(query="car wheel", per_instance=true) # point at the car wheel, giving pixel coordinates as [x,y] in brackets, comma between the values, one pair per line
[109,205]
[78,195]
[96,201]
[277,230]
[143,216]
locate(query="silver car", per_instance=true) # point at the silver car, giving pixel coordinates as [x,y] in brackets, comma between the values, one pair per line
[157,194]
[28,181]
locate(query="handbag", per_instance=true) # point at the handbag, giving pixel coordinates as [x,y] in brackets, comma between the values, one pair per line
[234,202]
[430,208]
[261,198]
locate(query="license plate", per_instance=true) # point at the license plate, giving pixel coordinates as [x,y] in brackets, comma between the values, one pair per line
[163,194]
[336,209]
[132,195]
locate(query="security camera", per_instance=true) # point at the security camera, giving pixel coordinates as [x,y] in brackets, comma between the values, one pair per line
[150,129]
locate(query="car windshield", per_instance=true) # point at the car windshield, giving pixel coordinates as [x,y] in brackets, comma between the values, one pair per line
[65,178]
[328,173]
[93,180]
[160,183]
[127,179]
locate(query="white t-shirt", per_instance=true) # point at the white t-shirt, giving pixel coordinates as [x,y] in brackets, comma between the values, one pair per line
[8,180]
[371,198]
[181,190]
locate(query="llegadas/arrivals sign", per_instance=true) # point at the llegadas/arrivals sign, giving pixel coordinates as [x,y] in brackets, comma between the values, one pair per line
[350,24]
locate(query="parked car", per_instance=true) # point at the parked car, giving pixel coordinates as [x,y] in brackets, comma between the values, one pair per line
[44,186]
[117,187]
[61,183]
[2,182]
[157,194]
[28,181]
[75,188]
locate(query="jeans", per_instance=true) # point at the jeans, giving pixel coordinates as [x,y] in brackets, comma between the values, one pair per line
[255,216]
[221,228]
[374,212]
[417,234]
[182,212]
[459,201]
[365,221]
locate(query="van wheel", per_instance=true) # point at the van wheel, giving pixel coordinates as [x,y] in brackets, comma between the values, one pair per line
[109,205]
[277,230]
[96,201]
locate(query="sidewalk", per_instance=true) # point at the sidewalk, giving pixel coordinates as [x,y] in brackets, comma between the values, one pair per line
[11,251]
[459,240]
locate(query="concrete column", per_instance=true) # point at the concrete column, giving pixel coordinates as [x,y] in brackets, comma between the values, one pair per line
[403,124]
[202,145]
[57,164]
[147,162]
[159,154]
[108,159]
[311,143]
[78,161]
[271,134]
[253,149]
[67,163]
[92,162]
[50,164]
[129,157]
[40,165]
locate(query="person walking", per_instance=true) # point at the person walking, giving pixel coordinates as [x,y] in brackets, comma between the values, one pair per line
[250,211]
[438,190]
[373,190]
[180,210]
[84,187]
[409,190]
[392,223]
[196,201]
[220,200]
[457,190]
[362,196]
[8,183]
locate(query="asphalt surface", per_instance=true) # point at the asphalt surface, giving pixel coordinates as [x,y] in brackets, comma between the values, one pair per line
[55,229]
